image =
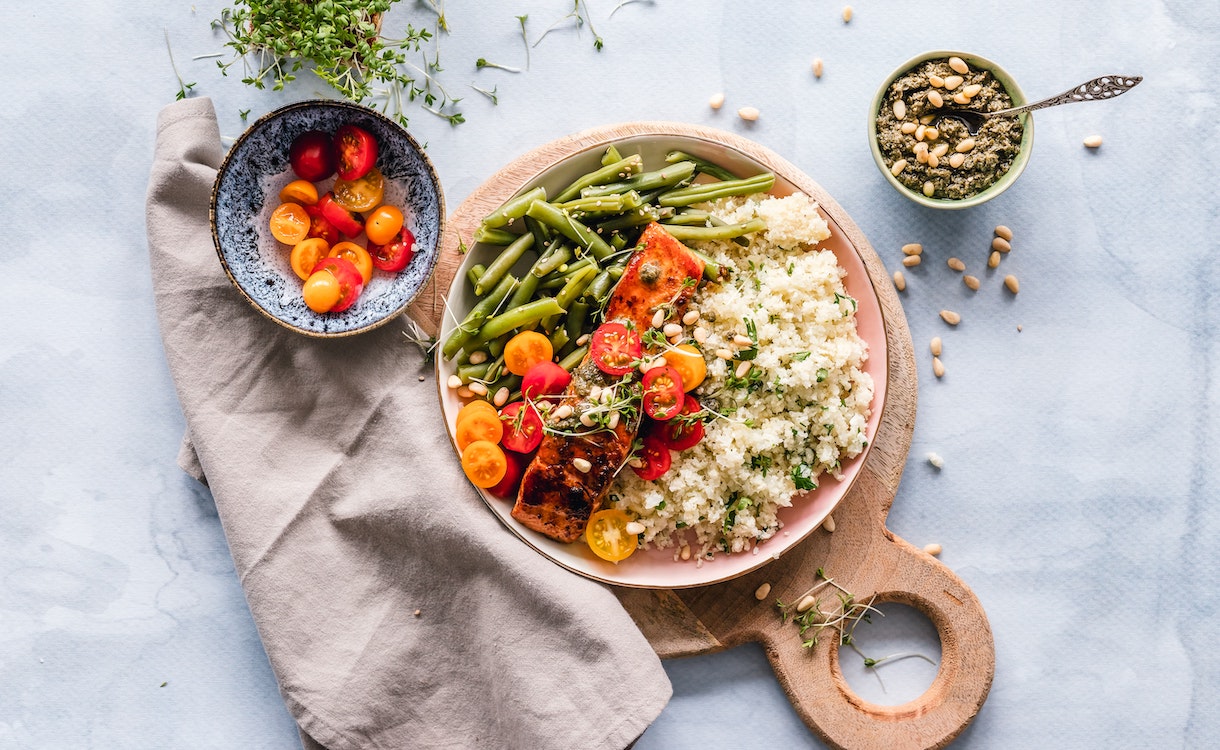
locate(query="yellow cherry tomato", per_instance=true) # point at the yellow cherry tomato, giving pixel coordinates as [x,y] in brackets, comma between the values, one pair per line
[525,350]
[361,195]
[359,257]
[289,223]
[322,291]
[479,426]
[299,191]
[474,407]
[689,362]
[383,225]
[306,254]
[484,463]
[607,535]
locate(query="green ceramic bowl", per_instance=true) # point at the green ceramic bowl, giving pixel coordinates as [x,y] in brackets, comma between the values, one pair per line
[997,187]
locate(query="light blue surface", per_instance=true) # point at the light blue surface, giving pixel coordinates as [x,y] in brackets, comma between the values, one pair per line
[1078,491]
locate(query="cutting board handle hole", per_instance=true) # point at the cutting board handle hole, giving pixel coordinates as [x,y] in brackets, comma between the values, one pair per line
[911,642]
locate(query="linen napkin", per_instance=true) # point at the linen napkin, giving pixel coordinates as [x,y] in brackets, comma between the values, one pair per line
[395,609]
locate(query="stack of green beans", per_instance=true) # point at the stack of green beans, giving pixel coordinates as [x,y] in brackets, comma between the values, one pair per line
[576,245]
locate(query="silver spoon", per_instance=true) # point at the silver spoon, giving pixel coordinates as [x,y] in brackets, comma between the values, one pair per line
[1106,87]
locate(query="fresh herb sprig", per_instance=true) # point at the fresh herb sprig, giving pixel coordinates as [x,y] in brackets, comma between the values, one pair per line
[810,613]
[184,88]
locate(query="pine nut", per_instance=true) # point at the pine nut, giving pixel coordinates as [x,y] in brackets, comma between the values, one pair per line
[612,422]
[817,67]
[929,189]
[717,101]
[1004,232]
[749,114]
[912,248]
[634,528]
[899,165]
[971,281]
[562,412]
[586,420]
[911,261]
[972,90]
[921,156]
[1093,141]
[935,346]
[829,524]
[584,339]
[658,319]
[964,145]
[595,394]
[1001,244]
[724,354]
[581,465]
[933,549]
[900,281]
[908,127]
[938,367]
[941,149]
[743,369]
[956,264]
[960,98]
[685,554]
[931,133]
[936,80]
[847,14]
[762,592]
[959,65]
[671,329]
[1010,283]
[464,392]
[926,119]
[935,99]
[700,334]
[454,381]
[956,160]
[478,389]
[920,132]
[950,317]
[921,149]
[900,109]
[806,604]
[935,460]
[691,317]
[933,161]
[478,358]
[994,260]
[501,397]
[742,341]
[952,82]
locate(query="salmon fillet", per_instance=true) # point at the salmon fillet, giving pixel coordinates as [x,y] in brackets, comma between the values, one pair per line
[555,498]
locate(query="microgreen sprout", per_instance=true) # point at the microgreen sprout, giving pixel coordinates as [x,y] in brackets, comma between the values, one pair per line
[184,88]
[489,94]
[841,618]
[525,39]
[579,14]
[485,63]
[625,2]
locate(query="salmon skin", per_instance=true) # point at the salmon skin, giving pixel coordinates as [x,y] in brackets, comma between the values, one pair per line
[556,499]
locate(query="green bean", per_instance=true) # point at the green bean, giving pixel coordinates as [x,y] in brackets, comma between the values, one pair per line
[689,219]
[616,272]
[489,236]
[599,287]
[618,240]
[727,232]
[646,181]
[559,339]
[578,313]
[469,372]
[503,263]
[617,170]
[574,358]
[530,312]
[718,222]
[577,284]
[496,347]
[638,217]
[477,315]
[553,284]
[710,191]
[571,268]
[514,208]
[712,271]
[474,273]
[554,258]
[542,235]
[603,205]
[524,291]
[558,219]
[701,165]
[612,155]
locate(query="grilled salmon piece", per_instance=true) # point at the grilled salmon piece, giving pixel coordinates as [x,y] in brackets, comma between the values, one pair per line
[556,499]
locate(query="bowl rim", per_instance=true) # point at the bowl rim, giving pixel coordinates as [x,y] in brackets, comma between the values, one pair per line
[337,104]
[999,186]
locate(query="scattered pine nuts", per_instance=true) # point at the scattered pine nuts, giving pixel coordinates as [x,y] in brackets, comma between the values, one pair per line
[691,317]
[941,149]
[671,329]
[699,334]
[953,82]
[959,65]
[1003,232]
[454,381]
[911,261]
[936,80]
[933,162]
[501,397]
[464,392]
[1001,244]
[582,340]
[899,165]
[931,133]
[900,281]
[964,145]
[933,549]
[956,160]
[562,412]
[950,317]
[581,465]
[829,524]
[817,67]
[658,319]
[1020,328]
[1010,283]
[717,101]
[935,99]
[912,248]
[586,420]
[478,389]
[749,114]
[743,369]
[928,188]
[847,14]
[742,341]
[926,119]
[418,612]
[960,98]
[806,603]
[900,109]
[478,358]
[971,281]
[921,155]
[762,592]
[685,553]
[936,460]
[936,346]
[920,131]
[956,264]
[938,367]
[994,260]
[1093,141]
[612,421]
[972,90]
[634,528]
[908,127]
[724,354]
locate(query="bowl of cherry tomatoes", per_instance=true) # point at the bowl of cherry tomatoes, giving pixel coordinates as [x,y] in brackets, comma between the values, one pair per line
[327,217]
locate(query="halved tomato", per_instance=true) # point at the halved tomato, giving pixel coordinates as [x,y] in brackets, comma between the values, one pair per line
[525,350]
[312,155]
[359,257]
[484,463]
[289,223]
[320,227]
[522,427]
[608,537]
[545,379]
[306,254]
[348,222]
[683,431]
[351,283]
[615,348]
[663,393]
[396,254]
[356,150]
[299,191]
[362,194]
[655,457]
[513,470]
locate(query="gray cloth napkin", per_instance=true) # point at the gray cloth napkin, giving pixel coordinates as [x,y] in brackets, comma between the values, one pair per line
[395,609]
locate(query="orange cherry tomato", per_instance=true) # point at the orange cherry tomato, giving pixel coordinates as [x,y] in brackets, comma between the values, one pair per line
[525,350]
[306,254]
[362,194]
[479,426]
[299,191]
[322,291]
[383,224]
[289,223]
[484,463]
[689,362]
[474,407]
[358,256]
[607,535]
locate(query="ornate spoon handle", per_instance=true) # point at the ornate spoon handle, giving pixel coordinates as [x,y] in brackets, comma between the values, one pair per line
[1106,87]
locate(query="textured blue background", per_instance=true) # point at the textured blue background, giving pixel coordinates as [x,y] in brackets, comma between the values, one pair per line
[1077,495]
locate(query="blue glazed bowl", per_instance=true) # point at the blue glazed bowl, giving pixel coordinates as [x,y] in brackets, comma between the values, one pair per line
[247,189]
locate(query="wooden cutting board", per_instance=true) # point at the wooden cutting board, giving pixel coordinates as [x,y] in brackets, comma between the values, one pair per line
[861,554]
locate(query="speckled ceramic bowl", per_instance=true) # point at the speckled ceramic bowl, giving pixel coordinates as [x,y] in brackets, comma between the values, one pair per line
[246,191]
[997,187]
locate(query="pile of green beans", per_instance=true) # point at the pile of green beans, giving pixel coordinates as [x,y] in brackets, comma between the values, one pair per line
[576,245]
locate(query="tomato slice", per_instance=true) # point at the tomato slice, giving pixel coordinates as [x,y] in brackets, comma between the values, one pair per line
[306,254]
[289,223]
[514,469]
[320,227]
[484,463]
[656,459]
[525,350]
[345,221]
[363,194]
[545,379]
[615,348]
[688,361]
[607,535]
[479,425]
[359,257]
[351,283]
[522,427]
[663,393]
[383,225]
[299,191]
[395,255]
[356,152]
[683,431]
[312,155]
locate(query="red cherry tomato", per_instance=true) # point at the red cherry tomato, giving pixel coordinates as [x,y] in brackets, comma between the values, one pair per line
[351,283]
[348,222]
[312,155]
[681,433]
[507,488]
[615,348]
[656,458]
[663,393]
[522,427]
[356,150]
[320,227]
[395,254]
[545,379]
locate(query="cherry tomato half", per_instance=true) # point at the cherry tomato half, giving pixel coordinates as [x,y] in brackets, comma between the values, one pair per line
[306,254]
[683,431]
[299,191]
[473,408]
[320,227]
[615,348]
[358,256]
[607,535]
[663,394]
[396,254]
[545,379]
[289,223]
[522,427]
[655,457]
[689,362]
[312,155]
[525,350]
[484,463]
[479,425]
[363,194]
[356,152]
[383,225]
[351,283]
[345,221]
[514,469]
